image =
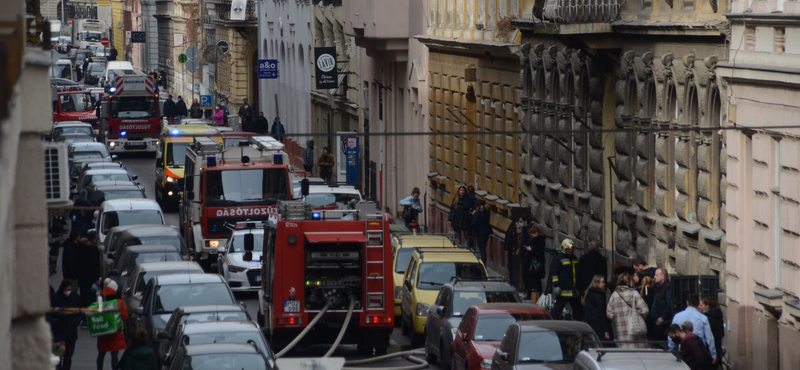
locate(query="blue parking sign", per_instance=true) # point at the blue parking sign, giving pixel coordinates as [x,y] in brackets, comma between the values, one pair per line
[267,68]
[206,102]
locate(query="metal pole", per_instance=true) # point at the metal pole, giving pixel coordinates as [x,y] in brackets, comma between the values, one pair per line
[64,20]
[216,71]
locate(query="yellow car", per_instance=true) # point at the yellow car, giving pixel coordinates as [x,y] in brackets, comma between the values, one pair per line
[170,155]
[427,271]
[402,247]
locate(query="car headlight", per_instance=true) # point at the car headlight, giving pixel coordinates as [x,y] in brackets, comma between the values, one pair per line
[486,364]
[422,309]
[398,292]
[171,179]
[212,243]
[112,144]
[232,268]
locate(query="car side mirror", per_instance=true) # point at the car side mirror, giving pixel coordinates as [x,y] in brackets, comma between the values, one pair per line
[161,334]
[114,158]
[139,311]
[243,305]
[220,250]
[504,356]
[134,177]
[440,310]
[128,291]
[407,283]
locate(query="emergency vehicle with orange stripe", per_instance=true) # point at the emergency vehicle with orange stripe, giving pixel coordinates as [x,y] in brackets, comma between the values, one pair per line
[170,159]
[130,115]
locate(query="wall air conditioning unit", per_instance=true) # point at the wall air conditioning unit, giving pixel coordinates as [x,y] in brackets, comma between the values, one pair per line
[56,175]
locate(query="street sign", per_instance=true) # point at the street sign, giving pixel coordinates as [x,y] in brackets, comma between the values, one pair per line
[192,66]
[223,46]
[138,37]
[267,69]
[192,52]
[182,58]
[197,86]
[105,41]
[327,75]
[205,102]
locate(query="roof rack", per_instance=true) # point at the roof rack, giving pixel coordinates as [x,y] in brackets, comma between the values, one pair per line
[501,279]
[422,250]
[603,351]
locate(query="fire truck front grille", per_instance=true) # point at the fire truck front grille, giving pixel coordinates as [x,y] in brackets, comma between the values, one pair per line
[252,274]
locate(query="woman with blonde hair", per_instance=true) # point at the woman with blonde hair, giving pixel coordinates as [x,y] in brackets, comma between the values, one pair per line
[627,310]
[594,300]
[648,292]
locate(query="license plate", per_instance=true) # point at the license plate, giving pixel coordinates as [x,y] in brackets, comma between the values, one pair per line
[291,306]
[136,143]
[258,279]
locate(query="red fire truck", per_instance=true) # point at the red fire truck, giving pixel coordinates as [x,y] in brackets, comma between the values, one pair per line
[130,118]
[73,104]
[225,186]
[317,262]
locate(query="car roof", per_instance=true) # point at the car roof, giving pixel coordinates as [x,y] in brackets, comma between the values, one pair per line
[71,124]
[452,255]
[192,278]
[75,145]
[499,308]
[130,204]
[555,325]
[68,135]
[219,348]
[170,266]
[125,227]
[219,327]
[210,307]
[322,189]
[114,185]
[247,231]
[151,230]
[624,359]
[481,285]
[150,248]
[105,171]
[104,164]
[413,241]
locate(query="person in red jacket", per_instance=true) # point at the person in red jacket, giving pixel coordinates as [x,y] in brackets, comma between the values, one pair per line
[113,342]
[690,346]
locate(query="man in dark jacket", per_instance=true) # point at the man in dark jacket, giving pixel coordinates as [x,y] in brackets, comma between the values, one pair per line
[195,111]
[661,310]
[68,257]
[277,129]
[180,109]
[65,328]
[88,266]
[246,116]
[691,350]
[482,229]
[261,124]
[325,163]
[169,110]
[563,275]
[592,263]
[640,265]
[138,356]
[112,54]
[308,157]
[709,307]
[82,219]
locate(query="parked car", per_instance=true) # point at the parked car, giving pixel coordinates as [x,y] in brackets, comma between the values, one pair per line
[220,356]
[69,139]
[137,254]
[196,314]
[87,178]
[217,332]
[133,289]
[102,191]
[70,127]
[77,148]
[122,212]
[231,264]
[453,301]
[402,248]
[146,235]
[482,329]
[540,345]
[627,359]
[93,72]
[165,293]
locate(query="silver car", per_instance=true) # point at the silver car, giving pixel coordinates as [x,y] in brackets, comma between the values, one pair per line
[627,359]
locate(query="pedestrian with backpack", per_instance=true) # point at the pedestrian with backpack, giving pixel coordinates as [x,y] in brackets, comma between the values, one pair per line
[411,208]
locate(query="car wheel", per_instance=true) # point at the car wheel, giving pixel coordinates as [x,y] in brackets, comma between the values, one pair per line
[444,362]
[405,329]
[429,356]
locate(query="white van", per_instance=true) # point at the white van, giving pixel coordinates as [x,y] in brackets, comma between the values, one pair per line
[113,69]
[123,212]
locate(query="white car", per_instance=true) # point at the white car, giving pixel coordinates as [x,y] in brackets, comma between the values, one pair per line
[329,196]
[242,275]
[123,212]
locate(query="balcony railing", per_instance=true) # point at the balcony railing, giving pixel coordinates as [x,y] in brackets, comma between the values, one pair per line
[223,9]
[573,11]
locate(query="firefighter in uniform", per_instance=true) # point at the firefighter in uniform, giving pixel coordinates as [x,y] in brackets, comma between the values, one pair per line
[563,272]
[56,230]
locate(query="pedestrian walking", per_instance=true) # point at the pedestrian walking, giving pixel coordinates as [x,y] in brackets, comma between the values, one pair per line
[65,328]
[278,130]
[646,287]
[169,110]
[180,110]
[162,79]
[194,110]
[56,230]
[512,259]
[219,116]
[533,263]
[262,125]
[226,112]
[701,326]
[594,300]
[112,343]
[69,258]
[325,163]
[154,73]
[513,243]
[482,229]
[308,156]
[246,115]
[411,208]
[709,307]
[563,274]
[661,308]
[87,259]
[691,346]
[627,310]
[138,356]
[459,218]
[112,54]
[592,263]
[82,219]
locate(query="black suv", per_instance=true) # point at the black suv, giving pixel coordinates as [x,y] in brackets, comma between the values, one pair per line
[452,303]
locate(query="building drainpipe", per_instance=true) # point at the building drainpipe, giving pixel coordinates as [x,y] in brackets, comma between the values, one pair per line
[776,191]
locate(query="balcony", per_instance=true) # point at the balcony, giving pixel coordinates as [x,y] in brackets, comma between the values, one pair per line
[585,11]
[223,10]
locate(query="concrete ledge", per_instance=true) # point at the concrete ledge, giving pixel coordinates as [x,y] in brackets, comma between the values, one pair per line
[793,308]
[771,300]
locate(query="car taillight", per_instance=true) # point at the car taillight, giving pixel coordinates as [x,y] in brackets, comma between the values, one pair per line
[379,319]
[290,321]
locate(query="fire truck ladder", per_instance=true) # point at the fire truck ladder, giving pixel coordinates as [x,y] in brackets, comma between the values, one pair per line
[375,284]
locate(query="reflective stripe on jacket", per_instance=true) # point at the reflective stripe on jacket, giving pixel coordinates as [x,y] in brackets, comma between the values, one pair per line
[563,273]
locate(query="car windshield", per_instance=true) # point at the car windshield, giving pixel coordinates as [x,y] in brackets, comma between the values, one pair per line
[86,130]
[171,240]
[131,217]
[462,300]
[548,346]
[134,108]
[493,327]
[176,154]
[145,276]
[237,244]
[99,197]
[89,179]
[230,337]
[61,71]
[432,275]
[76,102]
[210,316]
[90,148]
[81,139]
[92,36]
[85,155]
[246,187]
[225,362]
[170,297]
[321,200]
[134,259]
[403,256]
[96,67]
